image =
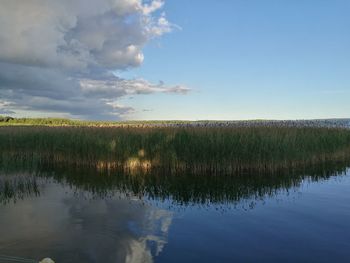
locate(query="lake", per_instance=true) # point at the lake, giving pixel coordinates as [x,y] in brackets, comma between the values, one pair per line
[77,215]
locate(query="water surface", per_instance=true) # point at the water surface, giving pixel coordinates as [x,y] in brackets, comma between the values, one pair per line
[85,216]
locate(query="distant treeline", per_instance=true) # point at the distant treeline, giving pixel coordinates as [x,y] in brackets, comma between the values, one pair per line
[9,121]
[6,119]
[191,149]
[328,123]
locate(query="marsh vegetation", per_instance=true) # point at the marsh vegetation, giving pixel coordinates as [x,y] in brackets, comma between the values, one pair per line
[187,164]
[194,150]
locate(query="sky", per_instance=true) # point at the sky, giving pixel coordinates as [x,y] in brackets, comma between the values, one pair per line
[175,59]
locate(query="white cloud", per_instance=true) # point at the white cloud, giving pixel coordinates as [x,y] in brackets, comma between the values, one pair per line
[115,87]
[153,6]
[77,34]
[60,53]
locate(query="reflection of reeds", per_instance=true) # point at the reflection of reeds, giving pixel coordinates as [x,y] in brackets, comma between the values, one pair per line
[195,150]
[181,188]
[17,187]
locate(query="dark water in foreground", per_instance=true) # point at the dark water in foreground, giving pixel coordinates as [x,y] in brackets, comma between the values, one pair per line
[80,217]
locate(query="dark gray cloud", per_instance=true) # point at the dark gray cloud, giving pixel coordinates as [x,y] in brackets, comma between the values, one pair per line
[57,56]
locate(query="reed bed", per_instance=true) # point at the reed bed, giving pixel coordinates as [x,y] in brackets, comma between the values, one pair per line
[171,149]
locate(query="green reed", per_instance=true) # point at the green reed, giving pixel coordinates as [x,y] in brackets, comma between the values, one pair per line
[195,149]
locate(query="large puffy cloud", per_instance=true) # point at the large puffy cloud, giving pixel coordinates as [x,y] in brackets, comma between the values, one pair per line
[77,34]
[56,56]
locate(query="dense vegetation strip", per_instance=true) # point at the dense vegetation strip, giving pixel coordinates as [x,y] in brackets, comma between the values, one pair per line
[175,149]
[330,123]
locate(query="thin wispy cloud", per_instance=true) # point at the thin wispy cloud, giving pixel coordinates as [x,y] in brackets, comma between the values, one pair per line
[57,56]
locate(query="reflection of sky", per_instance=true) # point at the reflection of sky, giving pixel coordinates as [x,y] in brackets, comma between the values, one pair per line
[76,226]
[72,228]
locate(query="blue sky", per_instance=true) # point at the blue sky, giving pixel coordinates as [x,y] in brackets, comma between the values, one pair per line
[251,59]
[175,59]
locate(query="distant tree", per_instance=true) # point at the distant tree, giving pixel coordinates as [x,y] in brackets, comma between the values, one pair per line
[5,118]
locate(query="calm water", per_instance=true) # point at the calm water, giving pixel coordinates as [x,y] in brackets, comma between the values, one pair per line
[81,216]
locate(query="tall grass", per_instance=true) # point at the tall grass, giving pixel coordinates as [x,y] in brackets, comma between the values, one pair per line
[198,150]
